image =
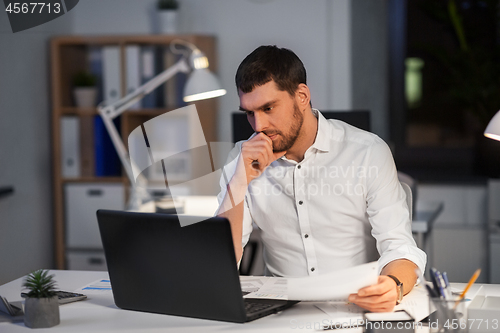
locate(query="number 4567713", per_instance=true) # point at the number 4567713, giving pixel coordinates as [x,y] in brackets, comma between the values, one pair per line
[33,7]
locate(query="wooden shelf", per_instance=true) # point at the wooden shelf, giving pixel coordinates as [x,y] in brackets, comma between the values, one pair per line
[69,55]
[79,111]
[93,111]
[94,180]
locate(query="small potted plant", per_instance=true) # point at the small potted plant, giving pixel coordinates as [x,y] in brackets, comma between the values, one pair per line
[41,308]
[167,15]
[85,90]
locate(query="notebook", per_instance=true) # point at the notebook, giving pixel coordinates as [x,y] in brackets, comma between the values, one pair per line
[155,265]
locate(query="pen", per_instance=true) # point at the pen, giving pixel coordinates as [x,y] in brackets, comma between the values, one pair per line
[447,283]
[433,273]
[442,286]
[430,290]
[439,282]
[471,282]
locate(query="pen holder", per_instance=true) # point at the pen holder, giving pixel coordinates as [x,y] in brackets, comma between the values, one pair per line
[450,316]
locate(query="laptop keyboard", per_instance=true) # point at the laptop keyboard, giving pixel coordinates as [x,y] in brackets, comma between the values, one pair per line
[253,307]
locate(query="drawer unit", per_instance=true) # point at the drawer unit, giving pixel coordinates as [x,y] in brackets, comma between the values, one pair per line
[82,202]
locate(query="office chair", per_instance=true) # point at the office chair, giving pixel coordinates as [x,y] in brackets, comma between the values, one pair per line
[411,183]
[409,197]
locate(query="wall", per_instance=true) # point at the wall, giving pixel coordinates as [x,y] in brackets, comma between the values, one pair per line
[370,62]
[25,216]
[317,31]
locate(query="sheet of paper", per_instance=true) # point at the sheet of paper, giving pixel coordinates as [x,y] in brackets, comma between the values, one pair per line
[341,315]
[96,287]
[273,288]
[341,310]
[252,283]
[416,303]
[334,286]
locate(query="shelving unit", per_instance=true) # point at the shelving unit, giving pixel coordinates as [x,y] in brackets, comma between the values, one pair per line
[69,56]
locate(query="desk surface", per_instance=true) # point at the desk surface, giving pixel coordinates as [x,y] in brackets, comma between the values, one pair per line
[99,313]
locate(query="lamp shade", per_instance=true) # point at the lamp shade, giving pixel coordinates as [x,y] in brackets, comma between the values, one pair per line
[202,84]
[493,129]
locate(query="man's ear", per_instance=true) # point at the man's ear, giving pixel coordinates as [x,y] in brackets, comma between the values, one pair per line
[303,95]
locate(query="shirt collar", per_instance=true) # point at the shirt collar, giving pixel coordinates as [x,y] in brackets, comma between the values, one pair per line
[322,136]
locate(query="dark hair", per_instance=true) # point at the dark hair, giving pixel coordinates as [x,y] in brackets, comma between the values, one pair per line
[269,62]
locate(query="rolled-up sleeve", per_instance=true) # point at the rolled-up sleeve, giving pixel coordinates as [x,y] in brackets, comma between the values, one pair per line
[388,211]
[227,173]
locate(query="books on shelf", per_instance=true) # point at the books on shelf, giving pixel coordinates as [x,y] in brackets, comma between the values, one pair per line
[111,73]
[107,162]
[148,70]
[141,63]
[174,87]
[70,146]
[87,149]
[95,68]
[133,71]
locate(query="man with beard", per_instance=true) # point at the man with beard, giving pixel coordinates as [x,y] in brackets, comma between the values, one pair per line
[320,190]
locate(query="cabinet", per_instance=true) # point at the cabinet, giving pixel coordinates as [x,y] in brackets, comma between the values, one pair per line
[458,240]
[69,56]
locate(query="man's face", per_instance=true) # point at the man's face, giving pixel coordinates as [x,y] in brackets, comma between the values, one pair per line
[273,112]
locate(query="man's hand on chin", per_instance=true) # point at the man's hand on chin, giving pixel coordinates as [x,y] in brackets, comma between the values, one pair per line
[380,297]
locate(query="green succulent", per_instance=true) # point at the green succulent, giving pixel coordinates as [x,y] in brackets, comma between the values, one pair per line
[168,4]
[40,284]
[84,79]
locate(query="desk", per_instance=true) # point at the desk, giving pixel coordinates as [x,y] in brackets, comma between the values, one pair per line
[99,313]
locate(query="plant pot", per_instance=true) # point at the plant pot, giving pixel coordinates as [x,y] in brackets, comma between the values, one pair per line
[41,312]
[167,21]
[85,97]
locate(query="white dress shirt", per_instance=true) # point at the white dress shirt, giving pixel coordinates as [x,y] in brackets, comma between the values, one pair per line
[325,212]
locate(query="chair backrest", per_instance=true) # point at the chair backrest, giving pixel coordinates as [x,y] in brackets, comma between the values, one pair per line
[360,119]
[409,199]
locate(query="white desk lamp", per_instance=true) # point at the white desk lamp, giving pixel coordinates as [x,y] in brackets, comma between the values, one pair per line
[201,84]
[492,131]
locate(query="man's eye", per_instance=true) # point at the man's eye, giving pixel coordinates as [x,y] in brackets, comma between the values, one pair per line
[249,113]
[269,108]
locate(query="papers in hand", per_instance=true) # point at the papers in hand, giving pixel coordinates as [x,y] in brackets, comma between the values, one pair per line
[336,285]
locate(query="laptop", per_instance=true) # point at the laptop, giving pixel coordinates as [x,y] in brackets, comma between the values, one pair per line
[155,265]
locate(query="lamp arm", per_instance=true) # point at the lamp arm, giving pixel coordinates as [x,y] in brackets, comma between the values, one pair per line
[109,112]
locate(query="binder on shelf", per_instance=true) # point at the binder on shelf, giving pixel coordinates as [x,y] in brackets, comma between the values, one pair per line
[181,82]
[148,69]
[111,73]
[133,72]
[107,162]
[70,146]
[170,87]
[95,67]
[174,88]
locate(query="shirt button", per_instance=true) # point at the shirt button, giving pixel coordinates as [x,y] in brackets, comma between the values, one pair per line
[306,235]
[312,269]
[301,202]
[299,166]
